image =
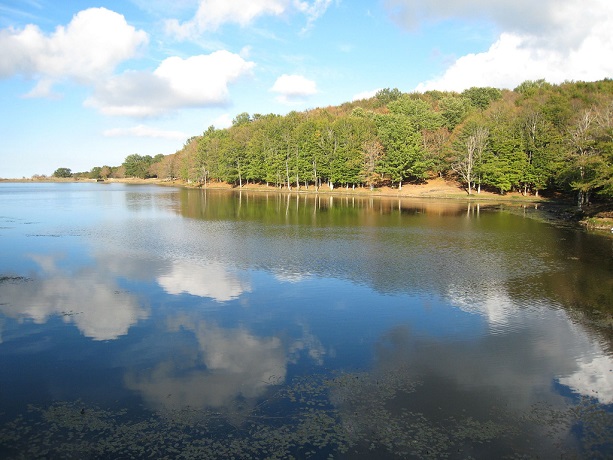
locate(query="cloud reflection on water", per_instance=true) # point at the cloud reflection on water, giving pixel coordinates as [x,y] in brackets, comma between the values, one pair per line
[593,378]
[489,300]
[228,363]
[228,370]
[89,298]
[525,348]
[212,280]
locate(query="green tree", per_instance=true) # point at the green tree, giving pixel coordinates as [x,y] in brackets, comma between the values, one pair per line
[274,153]
[137,166]
[328,143]
[587,159]
[96,173]
[210,159]
[482,97]
[604,145]
[504,163]
[530,88]
[308,137]
[62,173]
[419,112]
[404,155]
[387,95]
[539,144]
[236,160]
[241,119]
[454,109]
[435,147]
[352,132]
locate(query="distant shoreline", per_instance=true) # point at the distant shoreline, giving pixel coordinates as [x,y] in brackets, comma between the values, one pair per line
[596,217]
[434,188]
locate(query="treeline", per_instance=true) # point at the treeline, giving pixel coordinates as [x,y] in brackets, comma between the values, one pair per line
[142,166]
[537,137]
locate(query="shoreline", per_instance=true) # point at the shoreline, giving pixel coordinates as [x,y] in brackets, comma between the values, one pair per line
[434,188]
[597,217]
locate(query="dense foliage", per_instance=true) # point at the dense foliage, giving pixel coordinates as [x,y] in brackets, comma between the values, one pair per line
[62,173]
[537,137]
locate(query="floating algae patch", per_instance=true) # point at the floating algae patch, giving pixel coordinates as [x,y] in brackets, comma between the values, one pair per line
[13,279]
[375,419]
[592,423]
[348,415]
[64,430]
[299,420]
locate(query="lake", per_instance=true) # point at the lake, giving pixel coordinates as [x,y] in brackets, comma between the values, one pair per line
[139,321]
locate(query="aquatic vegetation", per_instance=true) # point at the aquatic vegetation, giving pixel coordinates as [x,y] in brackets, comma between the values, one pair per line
[182,324]
[321,416]
[12,279]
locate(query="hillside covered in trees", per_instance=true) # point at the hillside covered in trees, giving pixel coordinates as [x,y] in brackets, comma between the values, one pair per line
[538,137]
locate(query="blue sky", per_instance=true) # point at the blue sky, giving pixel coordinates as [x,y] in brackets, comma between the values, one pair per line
[85,84]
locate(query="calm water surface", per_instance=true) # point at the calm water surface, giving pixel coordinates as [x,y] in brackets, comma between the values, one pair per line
[141,321]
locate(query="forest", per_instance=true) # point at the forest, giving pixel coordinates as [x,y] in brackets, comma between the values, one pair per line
[537,138]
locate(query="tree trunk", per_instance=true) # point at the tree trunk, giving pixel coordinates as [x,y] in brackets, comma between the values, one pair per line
[583,198]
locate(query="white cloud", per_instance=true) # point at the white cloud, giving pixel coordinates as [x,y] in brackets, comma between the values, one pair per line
[245,52]
[365,95]
[197,81]
[313,11]
[545,17]
[87,49]
[212,14]
[144,131]
[223,121]
[511,60]
[44,88]
[571,41]
[293,88]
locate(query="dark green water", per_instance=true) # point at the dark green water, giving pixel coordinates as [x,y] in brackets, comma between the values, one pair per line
[140,321]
